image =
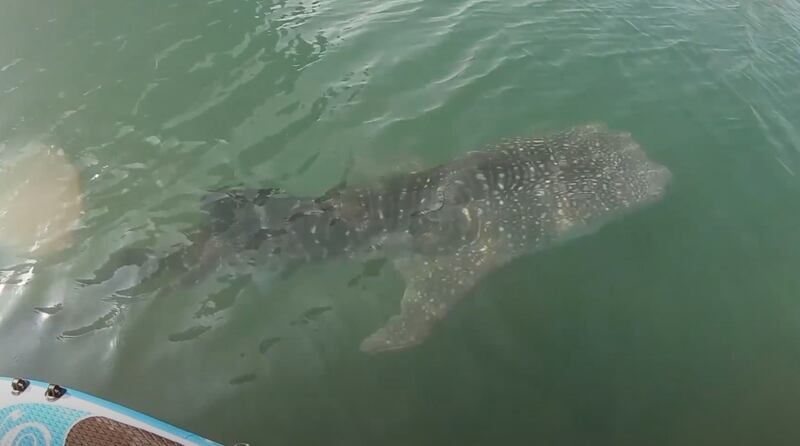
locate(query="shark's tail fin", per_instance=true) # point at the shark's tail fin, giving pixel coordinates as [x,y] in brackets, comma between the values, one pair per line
[239,224]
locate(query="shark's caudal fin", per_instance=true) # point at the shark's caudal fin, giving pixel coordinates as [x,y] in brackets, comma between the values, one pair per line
[236,221]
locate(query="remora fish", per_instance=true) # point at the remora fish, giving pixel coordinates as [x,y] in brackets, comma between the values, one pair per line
[446,227]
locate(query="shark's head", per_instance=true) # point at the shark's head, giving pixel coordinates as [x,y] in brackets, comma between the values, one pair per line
[657,177]
[607,174]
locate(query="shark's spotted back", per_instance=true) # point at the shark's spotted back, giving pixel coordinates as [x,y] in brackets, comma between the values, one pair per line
[513,198]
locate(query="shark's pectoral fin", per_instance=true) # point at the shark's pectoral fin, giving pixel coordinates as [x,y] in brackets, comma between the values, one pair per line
[433,286]
[400,331]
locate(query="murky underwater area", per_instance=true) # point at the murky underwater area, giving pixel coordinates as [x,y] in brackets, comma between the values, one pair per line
[678,324]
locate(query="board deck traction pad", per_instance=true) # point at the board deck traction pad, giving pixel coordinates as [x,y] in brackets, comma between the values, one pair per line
[41,414]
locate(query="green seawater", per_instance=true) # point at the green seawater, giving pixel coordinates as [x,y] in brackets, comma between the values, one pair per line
[676,325]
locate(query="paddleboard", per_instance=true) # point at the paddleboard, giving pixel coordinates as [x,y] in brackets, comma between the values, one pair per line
[34,413]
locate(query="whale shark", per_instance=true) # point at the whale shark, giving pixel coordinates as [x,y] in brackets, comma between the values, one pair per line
[443,228]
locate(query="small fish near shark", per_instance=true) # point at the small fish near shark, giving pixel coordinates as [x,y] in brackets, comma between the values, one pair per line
[444,228]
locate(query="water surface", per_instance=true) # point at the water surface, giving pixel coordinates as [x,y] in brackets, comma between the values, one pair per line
[677,325]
